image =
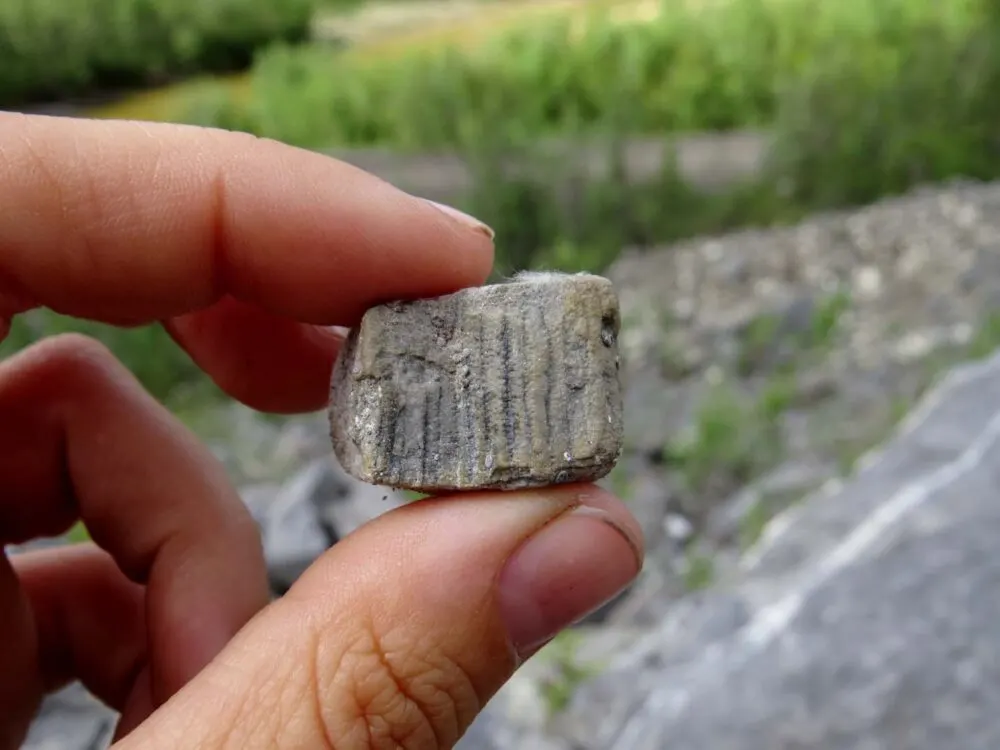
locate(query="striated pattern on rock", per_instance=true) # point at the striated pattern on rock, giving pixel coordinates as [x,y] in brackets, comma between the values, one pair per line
[497,387]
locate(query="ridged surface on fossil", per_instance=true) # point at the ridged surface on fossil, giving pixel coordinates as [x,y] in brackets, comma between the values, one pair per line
[503,386]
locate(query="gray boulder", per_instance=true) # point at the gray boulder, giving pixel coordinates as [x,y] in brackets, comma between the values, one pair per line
[317,507]
[870,613]
[71,720]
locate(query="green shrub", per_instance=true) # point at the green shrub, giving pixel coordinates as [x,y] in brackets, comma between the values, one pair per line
[857,127]
[711,67]
[53,48]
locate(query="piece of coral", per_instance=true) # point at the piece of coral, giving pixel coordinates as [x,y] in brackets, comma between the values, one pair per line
[503,386]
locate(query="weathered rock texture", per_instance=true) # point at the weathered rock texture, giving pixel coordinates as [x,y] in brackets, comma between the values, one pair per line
[497,387]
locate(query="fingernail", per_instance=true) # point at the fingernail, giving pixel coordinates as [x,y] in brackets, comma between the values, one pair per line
[463,218]
[567,570]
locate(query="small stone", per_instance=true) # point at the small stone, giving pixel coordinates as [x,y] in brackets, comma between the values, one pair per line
[868,282]
[503,386]
[678,528]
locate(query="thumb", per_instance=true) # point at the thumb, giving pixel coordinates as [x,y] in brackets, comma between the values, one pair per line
[399,635]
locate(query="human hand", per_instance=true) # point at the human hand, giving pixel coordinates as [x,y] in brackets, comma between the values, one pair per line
[247,251]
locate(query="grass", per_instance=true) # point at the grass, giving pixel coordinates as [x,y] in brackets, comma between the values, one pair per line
[723,424]
[825,321]
[699,571]
[562,654]
[986,338]
[737,434]
[733,441]
[78,534]
[846,88]
[768,333]
[548,69]
[620,483]
[51,50]
[370,43]
[754,523]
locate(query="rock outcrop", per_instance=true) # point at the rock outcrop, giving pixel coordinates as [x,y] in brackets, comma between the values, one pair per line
[865,618]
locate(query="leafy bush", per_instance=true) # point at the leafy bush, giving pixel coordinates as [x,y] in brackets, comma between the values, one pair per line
[554,218]
[855,129]
[698,67]
[52,48]
[856,125]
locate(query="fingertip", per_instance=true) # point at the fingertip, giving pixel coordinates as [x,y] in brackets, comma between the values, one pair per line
[616,512]
[271,364]
[588,550]
[465,220]
[567,570]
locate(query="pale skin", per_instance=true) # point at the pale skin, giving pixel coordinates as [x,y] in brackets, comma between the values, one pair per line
[247,251]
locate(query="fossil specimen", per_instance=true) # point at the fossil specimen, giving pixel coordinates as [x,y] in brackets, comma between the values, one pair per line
[497,387]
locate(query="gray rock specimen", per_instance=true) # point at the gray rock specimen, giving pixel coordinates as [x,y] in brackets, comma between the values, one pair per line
[497,387]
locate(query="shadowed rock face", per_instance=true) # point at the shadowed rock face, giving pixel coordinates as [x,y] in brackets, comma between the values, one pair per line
[497,387]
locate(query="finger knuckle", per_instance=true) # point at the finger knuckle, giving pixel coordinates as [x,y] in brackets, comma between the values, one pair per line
[391,690]
[85,357]
[79,350]
[68,369]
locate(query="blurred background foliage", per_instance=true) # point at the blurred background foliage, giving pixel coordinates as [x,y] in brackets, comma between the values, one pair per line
[860,100]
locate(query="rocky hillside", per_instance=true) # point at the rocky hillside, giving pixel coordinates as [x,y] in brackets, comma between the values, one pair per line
[793,596]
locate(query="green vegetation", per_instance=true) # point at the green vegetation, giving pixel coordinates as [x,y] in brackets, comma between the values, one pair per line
[986,339]
[826,320]
[619,482]
[562,654]
[53,48]
[766,334]
[78,534]
[776,397]
[754,523]
[757,340]
[734,439]
[696,66]
[903,97]
[699,571]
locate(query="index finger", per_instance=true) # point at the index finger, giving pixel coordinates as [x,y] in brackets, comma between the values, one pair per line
[128,222]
